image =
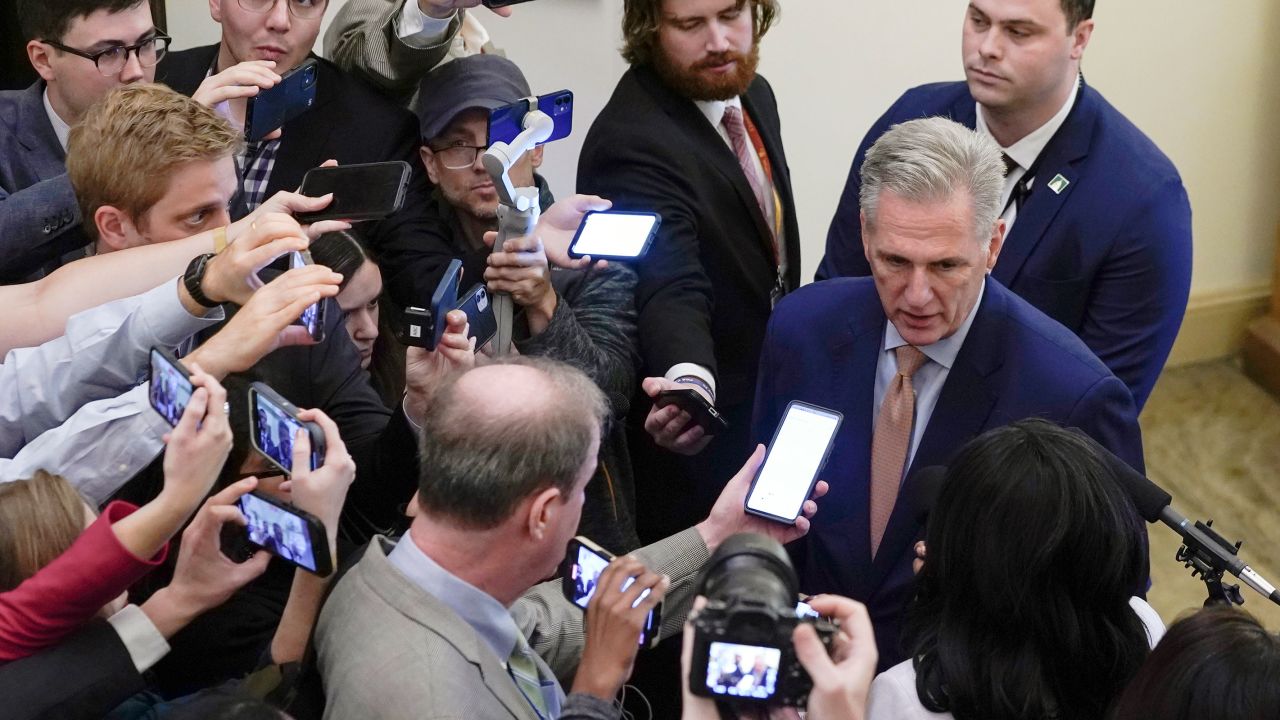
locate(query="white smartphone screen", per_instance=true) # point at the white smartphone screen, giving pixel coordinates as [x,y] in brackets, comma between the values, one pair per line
[613,234]
[794,459]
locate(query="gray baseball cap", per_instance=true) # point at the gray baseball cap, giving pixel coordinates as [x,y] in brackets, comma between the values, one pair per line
[474,81]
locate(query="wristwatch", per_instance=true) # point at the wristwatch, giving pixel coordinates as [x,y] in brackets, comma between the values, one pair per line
[194,276]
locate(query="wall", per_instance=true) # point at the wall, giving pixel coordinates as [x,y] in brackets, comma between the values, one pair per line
[1198,77]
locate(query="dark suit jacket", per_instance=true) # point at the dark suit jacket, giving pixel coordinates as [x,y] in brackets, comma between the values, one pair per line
[1109,257]
[39,217]
[86,676]
[823,345]
[704,287]
[350,123]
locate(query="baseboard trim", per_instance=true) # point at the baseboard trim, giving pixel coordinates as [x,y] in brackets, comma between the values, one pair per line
[1215,324]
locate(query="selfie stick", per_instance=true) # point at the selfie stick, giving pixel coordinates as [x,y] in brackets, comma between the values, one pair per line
[517,207]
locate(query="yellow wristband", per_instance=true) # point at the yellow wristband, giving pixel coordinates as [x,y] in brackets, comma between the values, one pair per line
[220,240]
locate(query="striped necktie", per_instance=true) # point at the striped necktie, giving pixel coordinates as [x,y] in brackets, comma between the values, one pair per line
[523,670]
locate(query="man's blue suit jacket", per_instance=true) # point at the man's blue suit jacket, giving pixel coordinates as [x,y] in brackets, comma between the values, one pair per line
[822,346]
[1109,256]
[39,216]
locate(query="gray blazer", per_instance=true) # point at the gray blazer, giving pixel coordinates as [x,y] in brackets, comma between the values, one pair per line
[362,40]
[387,650]
[39,217]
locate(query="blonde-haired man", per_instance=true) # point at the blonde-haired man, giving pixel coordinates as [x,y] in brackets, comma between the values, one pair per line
[151,165]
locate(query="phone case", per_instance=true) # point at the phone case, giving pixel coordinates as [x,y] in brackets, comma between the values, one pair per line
[273,107]
[653,232]
[316,536]
[831,441]
[507,122]
[653,623]
[424,327]
[692,402]
[165,399]
[478,306]
[260,389]
[323,180]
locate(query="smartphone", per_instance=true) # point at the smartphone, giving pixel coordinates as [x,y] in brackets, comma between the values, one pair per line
[582,569]
[273,107]
[477,304]
[704,414]
[274,423]
[805,610]
[367,191]
[423,327]
[286,532]
[171,387]
[615,235]
[798,451]
[313,318]
[507,122]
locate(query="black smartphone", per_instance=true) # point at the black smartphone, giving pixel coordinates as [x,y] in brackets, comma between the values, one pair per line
[615,235]
[423,327]
[274,424]
[482,324]
[286,532]
[171,387]
[367,191]
[796,454]
[273,107]
[582,567]
[507,122]
[313,318]
[704,414]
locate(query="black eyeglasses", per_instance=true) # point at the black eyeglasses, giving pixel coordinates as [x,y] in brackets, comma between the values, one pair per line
[112,60]
[459,157]
[303,9]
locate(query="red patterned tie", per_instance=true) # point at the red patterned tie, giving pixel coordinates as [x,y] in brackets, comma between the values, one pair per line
[742,147]
[891,441]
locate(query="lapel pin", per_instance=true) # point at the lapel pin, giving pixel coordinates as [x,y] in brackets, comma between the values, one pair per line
[1058,184]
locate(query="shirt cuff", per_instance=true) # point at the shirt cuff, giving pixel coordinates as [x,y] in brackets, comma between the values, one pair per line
[140,637]
[169,322]
[696,370]
[419,30]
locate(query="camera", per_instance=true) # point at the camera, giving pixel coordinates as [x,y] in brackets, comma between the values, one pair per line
[742,651]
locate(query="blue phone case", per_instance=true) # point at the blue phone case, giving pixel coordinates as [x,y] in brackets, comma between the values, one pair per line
[478,306]
[275,106]
[506,122]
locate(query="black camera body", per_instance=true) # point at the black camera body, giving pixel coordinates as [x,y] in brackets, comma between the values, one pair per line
[742,648]
[729,632]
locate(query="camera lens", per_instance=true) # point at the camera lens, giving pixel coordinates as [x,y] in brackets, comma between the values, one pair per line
[750,567]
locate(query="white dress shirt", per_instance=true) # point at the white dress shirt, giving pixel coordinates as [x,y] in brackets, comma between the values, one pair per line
[60,126]
[1025,151]
[140,637]
[928,379]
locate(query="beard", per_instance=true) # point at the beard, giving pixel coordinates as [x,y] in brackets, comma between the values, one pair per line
[693,83]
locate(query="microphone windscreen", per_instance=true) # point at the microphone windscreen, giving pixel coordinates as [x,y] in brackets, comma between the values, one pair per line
[1147,496]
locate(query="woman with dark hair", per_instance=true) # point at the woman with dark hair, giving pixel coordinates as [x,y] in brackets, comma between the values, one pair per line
[1217,664]
[1025,606]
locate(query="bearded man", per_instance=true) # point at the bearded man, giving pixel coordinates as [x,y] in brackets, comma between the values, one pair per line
[692,133]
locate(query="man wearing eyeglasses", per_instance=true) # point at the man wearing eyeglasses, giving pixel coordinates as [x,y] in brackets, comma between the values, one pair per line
[81,50]
[349,122]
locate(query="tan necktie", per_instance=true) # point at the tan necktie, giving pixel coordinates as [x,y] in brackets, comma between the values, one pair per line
[891,440]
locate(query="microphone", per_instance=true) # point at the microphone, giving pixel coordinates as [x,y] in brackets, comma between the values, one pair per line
[1154,505]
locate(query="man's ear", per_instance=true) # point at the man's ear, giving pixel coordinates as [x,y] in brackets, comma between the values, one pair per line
[429,162]
[1080,38]
[542,510]
[38,54]
[115,230]
[536,156]
[215,10]
[997,243]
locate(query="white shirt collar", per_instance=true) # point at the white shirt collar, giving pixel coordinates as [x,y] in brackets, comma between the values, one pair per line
[1025,151]
[944,351]
[60,127]
[713,110]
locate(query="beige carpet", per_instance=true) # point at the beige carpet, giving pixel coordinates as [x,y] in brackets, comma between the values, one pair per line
[1212,439]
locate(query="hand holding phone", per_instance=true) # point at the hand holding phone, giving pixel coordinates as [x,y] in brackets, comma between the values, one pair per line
[314,317]
[170,385]
[702,412]
[367,191]
[797,453]
[275,106]
[273,425]
[615,235]
[584,572]
[423,327]
[283,530]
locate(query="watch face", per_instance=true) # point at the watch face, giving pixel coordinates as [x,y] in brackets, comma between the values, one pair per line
[194,277]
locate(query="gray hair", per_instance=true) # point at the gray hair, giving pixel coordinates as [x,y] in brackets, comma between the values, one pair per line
[931,159]
[477,465]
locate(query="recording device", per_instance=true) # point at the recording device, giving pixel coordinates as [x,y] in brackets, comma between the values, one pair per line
[742,651]
[367,191]
[272,107]
[481,323]
[796,454]
[273,425]
[284,531]
[583,565]
[171,387]
[313,318]
[615,235]
[423,327]
[704,414]
[507,122]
